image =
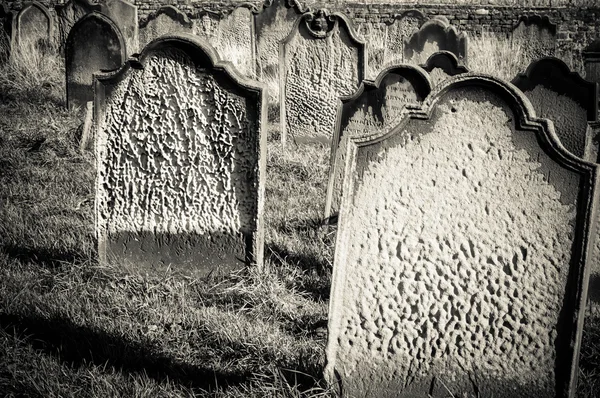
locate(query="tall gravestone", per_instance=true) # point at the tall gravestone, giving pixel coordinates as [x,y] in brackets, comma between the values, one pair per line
[34,28]
[591,61]
[564,97]
[536,35]
[237,39]
[442,65]
[435,35]
[321,60]
[180,155]
[462,252]
[386,40]
[166,20]
[94,44]
[374,107]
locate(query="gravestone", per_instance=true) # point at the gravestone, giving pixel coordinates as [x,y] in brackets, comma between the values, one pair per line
[387,39]
[273,24]
[94,44]
[376,106]
[435,35]
[462,252]
[536,35]
[236,41]
[71,12]
[34,28]
[593,155]
[166,20]
[181,160]
[442,65]
[562,96]
[321,60]
[591,61]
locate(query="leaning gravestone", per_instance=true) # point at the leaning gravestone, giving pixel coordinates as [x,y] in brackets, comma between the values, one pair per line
[34,28]
[461,255]
[442,65]
[536,35]
[320,61]
[166,20]
[94,44]
[181,160]
[562,96]
[435,35]
[374,107]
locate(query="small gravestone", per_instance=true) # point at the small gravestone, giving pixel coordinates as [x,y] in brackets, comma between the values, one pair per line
[442,65]
[273,24]
[181,160]
[166,20]
[376,106]
[34,28]
[562,96]
[435,35]
[124,15]
[387,39]
[536,36]
[461,255]
[591,61]
[94,44]
[320,61]
[237,40]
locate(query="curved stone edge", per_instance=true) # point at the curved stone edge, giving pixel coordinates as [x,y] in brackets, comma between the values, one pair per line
[69,42]
[301,23]
[169,10]
[412,13]
[537,19]
[191,44]
[427,84]
[462,39]
[534,76]
[446,61]
[585,229]
[17,20]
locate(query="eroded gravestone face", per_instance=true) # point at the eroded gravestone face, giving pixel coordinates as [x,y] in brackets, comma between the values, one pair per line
[69,13]
[236,40]
[94,44]
[321,60]
[375,107]
[435,35]
[536,36]
[563,97]
[180,162]
[124,15]
[456,263]
[34,28]
[167,20]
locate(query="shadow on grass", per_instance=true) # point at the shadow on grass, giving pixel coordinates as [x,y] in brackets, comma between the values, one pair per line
[79,345]
[52,259]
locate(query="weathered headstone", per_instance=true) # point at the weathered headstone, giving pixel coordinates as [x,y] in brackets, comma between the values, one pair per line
[591,61]
[442,65]
[34,28]
[536,35]
[166,20]
[387,39]
[462,252]
[562,96]
[376,106]
[71,12]
[237,40]
[435,35]
[124,15]
[181,160]
[321,60]
[94,44]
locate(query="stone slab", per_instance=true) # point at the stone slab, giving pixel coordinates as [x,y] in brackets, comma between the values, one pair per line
[591,61]
[94,44]
[34,28]
[462,252]
[321,60]
[180,151]
[442,65]
[376,106]
[536,35]
[124,15]
[435,35]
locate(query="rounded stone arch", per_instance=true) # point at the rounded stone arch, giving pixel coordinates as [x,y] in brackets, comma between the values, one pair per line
[94,43]
[27,7]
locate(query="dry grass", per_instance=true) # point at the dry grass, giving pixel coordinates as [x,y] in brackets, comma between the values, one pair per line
[496,56]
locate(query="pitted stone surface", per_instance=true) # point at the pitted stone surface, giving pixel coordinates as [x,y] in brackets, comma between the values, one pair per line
[317,72]
[375,110]
[536,36]
[178,168]
[456,250]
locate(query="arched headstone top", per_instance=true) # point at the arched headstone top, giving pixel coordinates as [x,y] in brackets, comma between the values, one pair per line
[295,4]
[556,75]
[446,61]
[200,52]
[100,19]
[542,21]
[438,27]
[172,12]
[414,13]
[39,6]
[321,24]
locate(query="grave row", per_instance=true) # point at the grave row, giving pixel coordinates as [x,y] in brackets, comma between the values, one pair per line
[467,224]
